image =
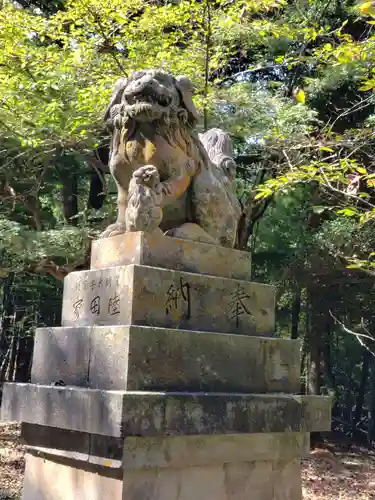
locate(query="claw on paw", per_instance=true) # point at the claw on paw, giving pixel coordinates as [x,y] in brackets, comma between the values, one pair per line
[113,230]
[147,175]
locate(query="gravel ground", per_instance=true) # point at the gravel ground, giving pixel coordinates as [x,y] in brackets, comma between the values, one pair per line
[352,477]
[11,462]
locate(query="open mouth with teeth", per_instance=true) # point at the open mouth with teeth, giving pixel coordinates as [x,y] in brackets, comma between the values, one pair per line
[146,104]
[147,98]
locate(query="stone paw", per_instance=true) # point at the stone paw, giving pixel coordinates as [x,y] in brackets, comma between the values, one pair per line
[113,230]
[147,175]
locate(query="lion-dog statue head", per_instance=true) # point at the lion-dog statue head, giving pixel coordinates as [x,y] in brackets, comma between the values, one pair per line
[153,95]
[152,118]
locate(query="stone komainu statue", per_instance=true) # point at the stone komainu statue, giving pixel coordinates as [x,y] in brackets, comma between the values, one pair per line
[169,179]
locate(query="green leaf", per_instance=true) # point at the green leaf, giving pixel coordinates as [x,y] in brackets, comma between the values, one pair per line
[300,96]
[347,212]
[367,8]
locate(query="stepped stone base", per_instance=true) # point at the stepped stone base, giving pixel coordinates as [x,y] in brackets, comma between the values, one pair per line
[163,451]
[50,480]
[230,467]
[139,358]
[164,382]
[124,413]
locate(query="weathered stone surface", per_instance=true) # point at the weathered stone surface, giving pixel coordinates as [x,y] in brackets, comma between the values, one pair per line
[118,413]
[149,296]
[54,478]
[66,408]
[170,253]
[182,484]
[148,358]
[240,480]
[286,477]
[110,359]
[314,412]
[53,440]
[104,366]
[61,354]
[190,451]
[74,445]
[47,479]
[165,451]
[248,480]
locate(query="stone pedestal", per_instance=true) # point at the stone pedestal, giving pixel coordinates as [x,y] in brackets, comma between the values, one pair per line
[164,382]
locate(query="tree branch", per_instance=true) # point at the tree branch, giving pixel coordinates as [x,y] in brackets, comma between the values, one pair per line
[343,193]
[59,272]
[105,37]
[359,336]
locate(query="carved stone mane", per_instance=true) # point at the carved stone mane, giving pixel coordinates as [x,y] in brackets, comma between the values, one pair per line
[172,114]
[219,148]
[152,118]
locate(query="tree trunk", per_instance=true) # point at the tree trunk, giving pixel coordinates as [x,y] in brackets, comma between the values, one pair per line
[371,409]
[327,355]
[296,310]
[4,366]
[7,312]
[314,342]
[366,361]
[314,376]
[69,191]
[304,364]
[305,349]
[12,357]
[70,198]
[97,191]
[24,359]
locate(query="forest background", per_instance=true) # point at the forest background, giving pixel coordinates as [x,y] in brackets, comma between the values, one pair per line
[292,81]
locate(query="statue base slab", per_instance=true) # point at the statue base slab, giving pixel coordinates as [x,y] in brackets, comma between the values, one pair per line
[225,467]
[170,253]
[164,382]
[145,358]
